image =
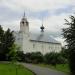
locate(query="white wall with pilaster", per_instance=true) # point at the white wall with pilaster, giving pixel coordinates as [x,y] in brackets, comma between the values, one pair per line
[32,46]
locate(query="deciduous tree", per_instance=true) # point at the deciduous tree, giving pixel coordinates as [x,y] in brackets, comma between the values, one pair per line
[69,34]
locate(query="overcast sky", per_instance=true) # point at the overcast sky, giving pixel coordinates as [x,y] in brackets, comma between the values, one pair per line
[51,12]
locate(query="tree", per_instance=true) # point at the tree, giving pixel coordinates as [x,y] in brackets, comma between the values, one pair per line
[1,43]
[20,56]
[7,45]
[69,35]
[8,41]
[12,54]
[1,38]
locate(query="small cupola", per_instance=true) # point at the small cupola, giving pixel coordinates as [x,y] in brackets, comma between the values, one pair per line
[42,28]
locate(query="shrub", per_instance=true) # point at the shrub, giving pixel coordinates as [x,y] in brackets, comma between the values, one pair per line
[37,57]
[20,56]
[28,58]
[34,57]
[50,58]
[54,58]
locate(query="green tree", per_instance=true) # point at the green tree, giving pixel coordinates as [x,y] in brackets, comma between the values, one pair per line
[69,34]
[1,43]
[8,41]
[64,52]
[1,38]
[7,45]
[12,54]
[20,56]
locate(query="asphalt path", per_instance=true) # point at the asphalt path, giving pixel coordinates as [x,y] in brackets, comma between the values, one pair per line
[42,71]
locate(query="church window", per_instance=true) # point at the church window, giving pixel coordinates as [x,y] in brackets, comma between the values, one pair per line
[22,22]
[26,23]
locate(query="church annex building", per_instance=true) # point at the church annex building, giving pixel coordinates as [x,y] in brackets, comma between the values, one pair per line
[29,42]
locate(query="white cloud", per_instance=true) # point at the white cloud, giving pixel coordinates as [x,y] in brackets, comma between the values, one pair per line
[13,25]
[37,5]
[34,24]
[55,23]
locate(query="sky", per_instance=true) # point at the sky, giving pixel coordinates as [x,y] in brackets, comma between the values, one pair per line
[50,13]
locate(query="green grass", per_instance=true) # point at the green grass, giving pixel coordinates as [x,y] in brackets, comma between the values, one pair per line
[13,69]
[59,67]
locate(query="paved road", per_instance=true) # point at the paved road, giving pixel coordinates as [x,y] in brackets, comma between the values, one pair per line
[41,70]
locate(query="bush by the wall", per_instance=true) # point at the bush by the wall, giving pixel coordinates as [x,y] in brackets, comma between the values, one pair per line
[34,57]
[54,58]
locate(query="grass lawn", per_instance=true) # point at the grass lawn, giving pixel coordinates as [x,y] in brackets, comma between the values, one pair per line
[59,67]
[13,69]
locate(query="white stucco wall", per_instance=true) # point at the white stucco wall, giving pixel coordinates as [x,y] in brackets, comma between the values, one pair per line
[33,46]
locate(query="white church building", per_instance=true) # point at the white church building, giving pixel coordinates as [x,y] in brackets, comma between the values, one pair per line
[29,42]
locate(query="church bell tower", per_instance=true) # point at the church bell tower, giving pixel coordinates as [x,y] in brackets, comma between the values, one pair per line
[24,25]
